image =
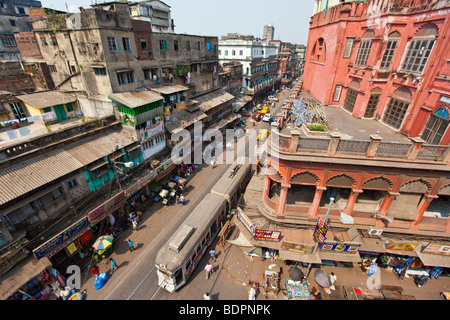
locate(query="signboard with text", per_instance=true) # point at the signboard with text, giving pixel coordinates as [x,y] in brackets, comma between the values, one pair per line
[297,247]
[340,247]
[321,231]
[245,221]
[440,249]
[267,235]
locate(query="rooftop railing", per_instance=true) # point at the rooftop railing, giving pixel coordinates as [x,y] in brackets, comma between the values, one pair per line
[373,148]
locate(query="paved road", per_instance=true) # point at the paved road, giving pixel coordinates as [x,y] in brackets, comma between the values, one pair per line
[136,277]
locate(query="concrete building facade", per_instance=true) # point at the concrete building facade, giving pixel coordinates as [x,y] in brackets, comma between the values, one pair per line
[258,59]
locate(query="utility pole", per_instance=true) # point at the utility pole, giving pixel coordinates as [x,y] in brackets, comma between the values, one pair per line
[317,243]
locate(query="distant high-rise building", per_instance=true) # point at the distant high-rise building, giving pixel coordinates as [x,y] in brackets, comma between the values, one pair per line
[269,32]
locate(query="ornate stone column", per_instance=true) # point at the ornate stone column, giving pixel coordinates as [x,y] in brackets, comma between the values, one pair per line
[314,209]
[281,206]
[423,206]
[351,201]
[385,205]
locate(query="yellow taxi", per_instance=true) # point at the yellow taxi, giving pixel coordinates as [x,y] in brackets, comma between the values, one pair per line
[265,110]
[263,134]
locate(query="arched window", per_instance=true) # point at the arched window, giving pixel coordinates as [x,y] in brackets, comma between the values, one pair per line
[364,48]
[397,107]
[352,94]
[319,51]
[375,95]
[389,52]
[419,49]
[436,126]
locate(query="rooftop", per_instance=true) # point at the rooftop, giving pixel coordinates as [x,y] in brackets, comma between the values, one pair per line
[343,123]
[170,89]
[45,99]
[19,179]
[135,99]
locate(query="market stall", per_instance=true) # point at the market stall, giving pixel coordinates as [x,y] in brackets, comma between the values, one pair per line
[297,289]
[103,246]
[272,278]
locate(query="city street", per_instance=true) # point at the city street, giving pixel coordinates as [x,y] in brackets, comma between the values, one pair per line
[136,277]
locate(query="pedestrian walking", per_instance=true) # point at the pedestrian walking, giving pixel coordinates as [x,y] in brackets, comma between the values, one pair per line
[252,294]
[206,296]
[213,255]
[135,224]
[131,244]
[333,279]
[113,265]
[208,269]
[182,199]
[138,216]
[177,199]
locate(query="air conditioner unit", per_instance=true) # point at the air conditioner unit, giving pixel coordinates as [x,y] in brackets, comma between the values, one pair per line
[375,232]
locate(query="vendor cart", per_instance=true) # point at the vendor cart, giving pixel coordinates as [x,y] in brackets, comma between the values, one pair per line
[272,279]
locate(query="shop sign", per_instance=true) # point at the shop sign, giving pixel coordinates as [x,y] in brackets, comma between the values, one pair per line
[340,247]
[72,248]
[245,221]
[297,247]
[321,231]
[60,240]
[151,129]
[163,167]
[404,246]
[138,185]
[11,259]
[267,235]
[103,210]
[437,249]
[85,237]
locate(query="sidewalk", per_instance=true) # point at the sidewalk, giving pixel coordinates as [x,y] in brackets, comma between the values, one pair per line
[245,269]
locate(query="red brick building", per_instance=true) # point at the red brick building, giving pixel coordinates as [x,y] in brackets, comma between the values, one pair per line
[387,60]
[381,71]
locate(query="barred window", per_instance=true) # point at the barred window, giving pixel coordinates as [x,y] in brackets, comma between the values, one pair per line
[417,55]
[125,77]
[395,112]
[350,99]
[363,52]
[372,105]
[389,54]
[436,126]
[100,71]
[163,45]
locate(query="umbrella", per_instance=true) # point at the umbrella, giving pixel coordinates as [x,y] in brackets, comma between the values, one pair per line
[322,278]
[296,274]
[103,242]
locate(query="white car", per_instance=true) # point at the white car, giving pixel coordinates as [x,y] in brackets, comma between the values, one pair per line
[267,117]
[272,98]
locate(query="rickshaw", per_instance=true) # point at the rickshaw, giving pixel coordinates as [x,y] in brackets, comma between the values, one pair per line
[164,194]
[173,189]
[181,183]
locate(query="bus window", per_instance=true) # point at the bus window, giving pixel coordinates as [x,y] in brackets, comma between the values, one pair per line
[214,228]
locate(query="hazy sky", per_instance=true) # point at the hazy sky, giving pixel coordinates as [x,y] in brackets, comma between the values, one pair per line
[219,17]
